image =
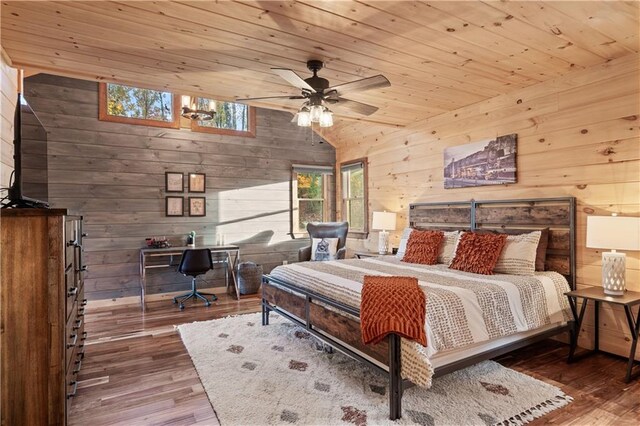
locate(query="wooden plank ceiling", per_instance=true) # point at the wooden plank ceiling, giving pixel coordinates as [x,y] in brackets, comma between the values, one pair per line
[439,56]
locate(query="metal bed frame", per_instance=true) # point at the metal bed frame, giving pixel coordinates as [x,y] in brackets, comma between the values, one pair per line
[286,299]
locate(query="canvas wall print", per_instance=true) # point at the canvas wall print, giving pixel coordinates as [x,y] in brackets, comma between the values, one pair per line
[485,162]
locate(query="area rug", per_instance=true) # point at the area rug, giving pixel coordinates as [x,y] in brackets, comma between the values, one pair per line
[256,375]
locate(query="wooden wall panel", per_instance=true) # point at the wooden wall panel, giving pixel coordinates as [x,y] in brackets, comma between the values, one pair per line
[113,174]
[8,96]
[578,135]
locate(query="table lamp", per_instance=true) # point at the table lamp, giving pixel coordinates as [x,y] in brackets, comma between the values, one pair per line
[383,221]
[614,233]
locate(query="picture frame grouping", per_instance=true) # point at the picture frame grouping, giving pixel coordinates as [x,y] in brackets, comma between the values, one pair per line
[174,183]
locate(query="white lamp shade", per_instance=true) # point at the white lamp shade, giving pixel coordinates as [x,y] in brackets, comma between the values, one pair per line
[384,221]
[613,232]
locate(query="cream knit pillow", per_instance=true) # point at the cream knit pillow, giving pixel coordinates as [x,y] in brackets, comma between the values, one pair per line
[518,256]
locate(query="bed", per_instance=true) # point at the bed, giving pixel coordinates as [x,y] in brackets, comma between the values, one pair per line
[470,317]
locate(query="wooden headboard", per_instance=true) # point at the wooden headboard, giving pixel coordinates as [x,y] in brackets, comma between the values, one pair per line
[510,216]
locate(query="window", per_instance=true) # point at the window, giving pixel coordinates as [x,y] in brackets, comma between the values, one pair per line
[310,196]
[231,119]
[354,195]
[135,105]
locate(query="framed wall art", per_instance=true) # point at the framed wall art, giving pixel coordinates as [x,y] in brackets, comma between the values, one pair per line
[485,162]
[197,206]
[197,182]
[173,182]
[174,206]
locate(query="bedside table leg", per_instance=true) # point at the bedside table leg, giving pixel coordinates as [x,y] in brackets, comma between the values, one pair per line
[597,327]
[634,328]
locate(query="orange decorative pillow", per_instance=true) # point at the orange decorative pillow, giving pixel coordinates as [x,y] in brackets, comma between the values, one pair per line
[423,247]
[478,253]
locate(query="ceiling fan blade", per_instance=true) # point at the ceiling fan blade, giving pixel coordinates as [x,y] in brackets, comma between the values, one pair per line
[359,107]
[270,97]
[375,82]
[292,78]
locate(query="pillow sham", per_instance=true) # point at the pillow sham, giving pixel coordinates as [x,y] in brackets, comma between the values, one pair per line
[423,247]
[478,253]
[518,256]
[448,247]
[403,242]
[324,249]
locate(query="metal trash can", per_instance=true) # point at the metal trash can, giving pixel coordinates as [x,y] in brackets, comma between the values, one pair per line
[249,277]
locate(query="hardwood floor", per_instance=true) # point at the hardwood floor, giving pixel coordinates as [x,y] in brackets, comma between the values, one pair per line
[136,371]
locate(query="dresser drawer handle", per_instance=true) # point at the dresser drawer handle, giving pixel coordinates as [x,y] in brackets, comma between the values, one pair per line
[73,243]
[84,302]
[72,292]
[75,340]
[74,383]
[79,366]
[78,324]
[84,234]
[82,269]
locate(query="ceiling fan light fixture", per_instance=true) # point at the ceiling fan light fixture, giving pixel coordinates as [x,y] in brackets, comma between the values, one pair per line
[190,109]
[326,118]
[304,117]
[316,113]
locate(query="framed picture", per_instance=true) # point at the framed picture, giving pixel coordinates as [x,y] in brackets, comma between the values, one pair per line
[174,206]
[197,206]
[173,182]
[197,182]
[485,162]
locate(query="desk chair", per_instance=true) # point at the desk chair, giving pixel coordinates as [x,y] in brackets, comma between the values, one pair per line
[194,263]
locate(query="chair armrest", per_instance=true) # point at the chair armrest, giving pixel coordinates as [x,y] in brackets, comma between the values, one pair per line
[340,254]
[304,254]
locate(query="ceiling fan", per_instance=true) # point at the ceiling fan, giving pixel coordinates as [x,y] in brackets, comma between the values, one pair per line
[319,94]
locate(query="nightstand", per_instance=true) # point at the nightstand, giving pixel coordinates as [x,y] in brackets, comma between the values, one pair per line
[630,298]
[363,254]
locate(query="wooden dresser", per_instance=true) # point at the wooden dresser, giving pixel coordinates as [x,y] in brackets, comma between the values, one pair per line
[42,335]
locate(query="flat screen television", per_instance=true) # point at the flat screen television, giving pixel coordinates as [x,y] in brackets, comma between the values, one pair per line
[30,186]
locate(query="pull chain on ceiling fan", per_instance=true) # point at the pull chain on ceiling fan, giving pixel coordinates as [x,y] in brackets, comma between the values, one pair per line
[319,95]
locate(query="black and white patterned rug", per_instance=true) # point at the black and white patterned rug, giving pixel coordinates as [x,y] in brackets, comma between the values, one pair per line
[256,375]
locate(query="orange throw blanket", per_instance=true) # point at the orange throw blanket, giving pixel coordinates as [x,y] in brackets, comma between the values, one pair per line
[392,305]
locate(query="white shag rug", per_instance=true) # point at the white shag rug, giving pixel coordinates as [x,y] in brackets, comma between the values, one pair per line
[256,375]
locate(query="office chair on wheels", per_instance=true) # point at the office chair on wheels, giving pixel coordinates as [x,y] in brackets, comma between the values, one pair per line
[195,262]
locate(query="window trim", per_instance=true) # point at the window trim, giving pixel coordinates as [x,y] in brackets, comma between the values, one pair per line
[103,115]
[251,133]
[365,173]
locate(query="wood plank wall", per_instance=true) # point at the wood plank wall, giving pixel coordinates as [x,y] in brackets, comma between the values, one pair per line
[578,135]
[8,96]
[113,174]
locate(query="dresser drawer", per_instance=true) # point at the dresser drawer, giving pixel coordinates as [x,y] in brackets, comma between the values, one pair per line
[72,333]
[71,291]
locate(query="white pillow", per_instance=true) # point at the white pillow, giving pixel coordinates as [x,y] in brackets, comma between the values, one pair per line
[403,242]
[448,247]
[324,249]
[518,255]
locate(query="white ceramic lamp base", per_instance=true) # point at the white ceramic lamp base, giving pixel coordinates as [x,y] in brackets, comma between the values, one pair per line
[613,273]
[383,242]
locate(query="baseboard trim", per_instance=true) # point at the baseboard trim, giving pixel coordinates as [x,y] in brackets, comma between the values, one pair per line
[135,300]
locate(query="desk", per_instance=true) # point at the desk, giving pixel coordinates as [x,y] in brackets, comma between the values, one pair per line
[230,254]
